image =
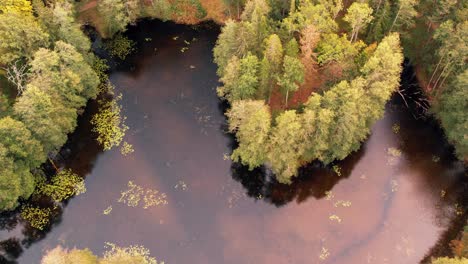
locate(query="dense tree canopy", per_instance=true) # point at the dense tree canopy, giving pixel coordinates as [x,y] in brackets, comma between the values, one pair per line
[19,152]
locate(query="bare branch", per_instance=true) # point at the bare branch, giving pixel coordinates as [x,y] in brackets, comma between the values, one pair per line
[16,73]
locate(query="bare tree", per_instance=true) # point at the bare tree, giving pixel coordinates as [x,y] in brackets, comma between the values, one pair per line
[16,73]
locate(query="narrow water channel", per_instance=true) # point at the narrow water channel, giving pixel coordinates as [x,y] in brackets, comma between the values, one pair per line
[389,203]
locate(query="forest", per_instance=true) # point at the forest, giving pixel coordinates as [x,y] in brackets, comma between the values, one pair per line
[305,81]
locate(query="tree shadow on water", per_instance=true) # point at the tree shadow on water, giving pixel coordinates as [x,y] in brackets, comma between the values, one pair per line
[313,180]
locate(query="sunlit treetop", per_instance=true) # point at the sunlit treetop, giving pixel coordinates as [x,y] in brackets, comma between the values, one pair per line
[19,6]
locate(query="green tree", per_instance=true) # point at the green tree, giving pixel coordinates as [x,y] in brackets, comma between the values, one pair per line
[241,79]
[349,128]
[22,7]
[63,74]
[67,29]
[358,15]
[382,73]
[271,65]
[405,15]
[447,260]
[19,153]
[451,109]
[114,14]
[292,77]
[292,48]
[248,82]
[319,16]
[251,121]
[286,146]
[236,39]
[317,122]
[48,121]
[21,36]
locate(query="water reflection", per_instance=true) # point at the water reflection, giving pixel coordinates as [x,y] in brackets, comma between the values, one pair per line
[313,180]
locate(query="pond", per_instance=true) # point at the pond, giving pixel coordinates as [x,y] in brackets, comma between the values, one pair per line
[390,202]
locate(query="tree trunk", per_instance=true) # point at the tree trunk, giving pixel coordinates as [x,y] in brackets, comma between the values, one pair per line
[396,17]
[287,95]
[434,72]
[443,70]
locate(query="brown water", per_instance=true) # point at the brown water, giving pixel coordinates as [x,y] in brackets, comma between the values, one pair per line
[382,209]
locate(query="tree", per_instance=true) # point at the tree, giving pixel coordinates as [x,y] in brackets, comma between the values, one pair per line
[349,128]
[405,15]
[22,39]
[333,6]
[241,79]
[358,15]
[114,14]
[248,82]
[286,146]
[250,120]
[229,79]
[22,7]
[292,48]
[48,121]
[293,75]
[333,48]
[447,260]
[319,17]
[63,74]
[317,122]
[236,39]
[451,109]
[67,29]
[382,73]
[271,66]
[19,153]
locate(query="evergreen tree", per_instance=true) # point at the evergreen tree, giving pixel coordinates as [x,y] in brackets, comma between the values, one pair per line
[250,120]
[404,17]
[292,77]
[286,146]
[451,109]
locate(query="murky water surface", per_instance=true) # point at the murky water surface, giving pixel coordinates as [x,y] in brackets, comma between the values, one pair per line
[390,204]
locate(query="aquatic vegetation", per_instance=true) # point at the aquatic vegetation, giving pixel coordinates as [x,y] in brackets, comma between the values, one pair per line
[337,170]
[134,254]
[335,218]
[442,193]
[394,155]
[396,128]
[131,254]
[63,185]
[109,123]
[120,46]
[37,217]
[126,148]
[135,193]
[342,203]
[394,185]
[181,185]
[108,210]
[324,253]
